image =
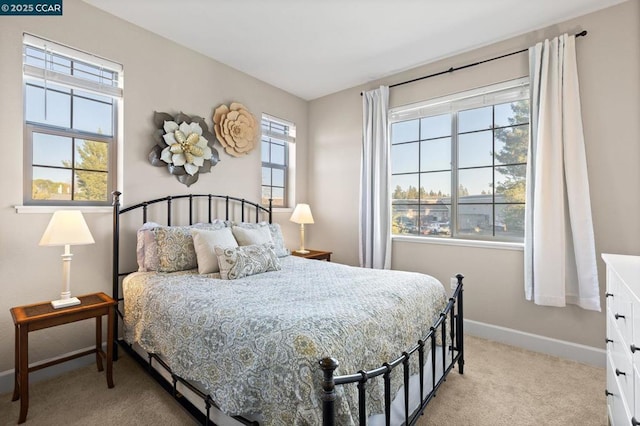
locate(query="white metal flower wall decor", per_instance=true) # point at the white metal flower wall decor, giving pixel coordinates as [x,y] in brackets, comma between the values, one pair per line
[183,145]
[236,128]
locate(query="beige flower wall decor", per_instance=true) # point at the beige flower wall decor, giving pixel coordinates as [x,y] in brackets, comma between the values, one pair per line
[184,145]
[236,129]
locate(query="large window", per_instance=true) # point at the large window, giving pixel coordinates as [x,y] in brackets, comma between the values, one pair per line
[277,135]
[71,102]
[458,165]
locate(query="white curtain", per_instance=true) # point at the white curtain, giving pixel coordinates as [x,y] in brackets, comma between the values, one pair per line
[560,261]
[375,205]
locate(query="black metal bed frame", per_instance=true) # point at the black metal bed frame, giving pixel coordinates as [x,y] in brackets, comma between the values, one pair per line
[453,312]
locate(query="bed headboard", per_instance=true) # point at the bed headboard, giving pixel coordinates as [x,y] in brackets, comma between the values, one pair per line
[184,209]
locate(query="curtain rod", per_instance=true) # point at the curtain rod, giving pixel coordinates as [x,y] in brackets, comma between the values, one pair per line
[452,69]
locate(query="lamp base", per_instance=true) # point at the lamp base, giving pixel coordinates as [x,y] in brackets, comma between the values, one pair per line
[63,303]
[303,251]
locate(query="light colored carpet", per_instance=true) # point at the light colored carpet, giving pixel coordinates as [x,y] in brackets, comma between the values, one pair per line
[502,385]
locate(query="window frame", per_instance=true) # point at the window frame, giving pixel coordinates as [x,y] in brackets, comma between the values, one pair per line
[287,139]
[37,77]
[505,92]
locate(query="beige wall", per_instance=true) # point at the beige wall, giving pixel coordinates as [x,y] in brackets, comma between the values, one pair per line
[162,76]
[159,76]
[609,71]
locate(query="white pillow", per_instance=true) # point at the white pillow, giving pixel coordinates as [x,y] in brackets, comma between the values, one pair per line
[204,241]
[276,235]
[248,236]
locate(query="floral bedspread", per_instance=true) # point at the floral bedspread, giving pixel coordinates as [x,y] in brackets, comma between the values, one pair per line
[254,343]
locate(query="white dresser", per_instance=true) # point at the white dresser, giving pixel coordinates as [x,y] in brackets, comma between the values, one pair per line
[623,339]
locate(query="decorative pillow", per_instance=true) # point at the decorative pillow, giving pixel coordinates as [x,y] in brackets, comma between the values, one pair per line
[276,235]
[204,242]
[175,250]
[251,236]
[146,248]
[243,261]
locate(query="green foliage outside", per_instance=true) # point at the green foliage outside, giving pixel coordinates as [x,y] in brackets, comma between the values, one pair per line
[92,159]
[92,185]
[513,186]
[515,150]
[43,189]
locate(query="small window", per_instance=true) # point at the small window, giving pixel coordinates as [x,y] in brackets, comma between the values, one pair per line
[71,100]
[459,166]
[277,135]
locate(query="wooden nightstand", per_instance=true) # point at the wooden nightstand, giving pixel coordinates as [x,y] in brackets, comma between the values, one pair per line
[42,315]
[315,254]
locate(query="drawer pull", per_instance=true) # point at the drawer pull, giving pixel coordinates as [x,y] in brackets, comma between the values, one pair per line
[634,422]
[607,393]
[634,348]
[620,373]
[607,340]
[608,295]
[618,316]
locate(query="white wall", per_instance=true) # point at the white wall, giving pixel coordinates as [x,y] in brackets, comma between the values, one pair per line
[608,66]
[159,75]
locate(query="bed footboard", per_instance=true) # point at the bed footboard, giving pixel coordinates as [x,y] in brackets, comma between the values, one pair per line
[453,315]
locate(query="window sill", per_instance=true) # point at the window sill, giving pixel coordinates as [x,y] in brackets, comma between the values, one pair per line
[499,245]
[282,210]
[52,209]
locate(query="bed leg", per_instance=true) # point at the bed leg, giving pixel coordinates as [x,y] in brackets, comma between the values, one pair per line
[328,366]
[460,327]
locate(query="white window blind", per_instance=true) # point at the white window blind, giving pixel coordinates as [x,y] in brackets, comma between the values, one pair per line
[276,128]
[52,62]
[495,94]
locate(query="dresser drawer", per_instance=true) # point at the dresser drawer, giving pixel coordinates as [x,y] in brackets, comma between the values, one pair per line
[623,372]
[615,343]
[619,414]
[622,313]
[635,339]
[623,336]
[636,395]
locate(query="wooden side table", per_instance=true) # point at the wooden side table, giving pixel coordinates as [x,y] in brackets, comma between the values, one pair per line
[315,254]
[43,315]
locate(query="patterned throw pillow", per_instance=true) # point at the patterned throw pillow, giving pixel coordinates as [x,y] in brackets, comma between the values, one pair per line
[276,235]
[176,251]
[243,261]
[147,248]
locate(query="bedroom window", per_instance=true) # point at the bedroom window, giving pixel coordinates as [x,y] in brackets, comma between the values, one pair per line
[458,164]
[278,137]
[71,102]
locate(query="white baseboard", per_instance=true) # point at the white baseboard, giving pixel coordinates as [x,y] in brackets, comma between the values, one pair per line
[534,342]
[6,377]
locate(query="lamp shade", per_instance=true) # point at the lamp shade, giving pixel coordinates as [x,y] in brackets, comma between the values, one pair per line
[66,227]
[302,214]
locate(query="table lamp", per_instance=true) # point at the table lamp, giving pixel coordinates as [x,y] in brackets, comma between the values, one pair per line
[66,228]
[302,214]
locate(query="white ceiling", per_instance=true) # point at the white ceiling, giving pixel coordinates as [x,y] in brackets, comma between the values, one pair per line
[312,48]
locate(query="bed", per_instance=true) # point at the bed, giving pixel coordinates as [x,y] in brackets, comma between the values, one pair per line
[299,342]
